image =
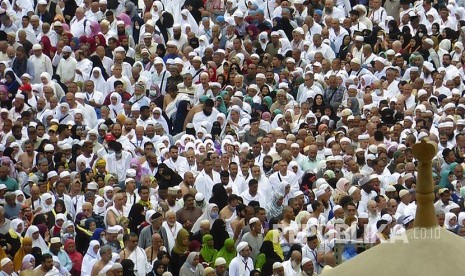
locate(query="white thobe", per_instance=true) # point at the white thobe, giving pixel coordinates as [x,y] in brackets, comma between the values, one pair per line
[204,183]
[67,69]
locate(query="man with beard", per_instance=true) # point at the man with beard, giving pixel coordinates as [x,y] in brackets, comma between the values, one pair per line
[311,161]
[55,250]
[263,183]
[159,78]
[20,64]
[268,165]
[28,157]
[281,101]
[188,215]
[149,44]
[66,68]
[46,267]
[208,114]
[83,66]
[18,107]
[178,37]
[175,78]
[252,194]
[203,88]
[40,109]
[42,63]
[292,266]
[118,161]
[130,52]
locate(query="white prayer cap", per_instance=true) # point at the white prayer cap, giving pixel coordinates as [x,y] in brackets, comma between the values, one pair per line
[220,261]
[241,246]
[356,61]
[37,47]
[238,13]
[4,261]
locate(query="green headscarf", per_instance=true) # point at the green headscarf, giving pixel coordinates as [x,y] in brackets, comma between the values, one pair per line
[268,101]
[452,166]
[222,108]
[227,255]
[444,181]
[179,247]
[208,252]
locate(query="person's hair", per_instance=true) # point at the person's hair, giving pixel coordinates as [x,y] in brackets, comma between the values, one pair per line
[104,249]
[187,196]
[232,197]
[253,182]
[47,256]
[126,237]
[141,188]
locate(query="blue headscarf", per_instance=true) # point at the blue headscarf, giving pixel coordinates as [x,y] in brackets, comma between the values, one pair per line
[96,235]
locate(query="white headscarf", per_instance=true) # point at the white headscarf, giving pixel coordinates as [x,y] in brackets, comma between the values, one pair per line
[46,207]
[39,242]
[205,216]
[190,20]
[263,35]
[115,109]
[14,224]
[285,46]
[99,83]
[447,219]
[274,124]
[97,209]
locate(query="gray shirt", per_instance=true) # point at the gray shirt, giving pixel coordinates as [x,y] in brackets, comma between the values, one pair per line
[255,244]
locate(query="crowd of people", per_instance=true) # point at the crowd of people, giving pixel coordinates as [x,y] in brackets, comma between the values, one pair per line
[222,137]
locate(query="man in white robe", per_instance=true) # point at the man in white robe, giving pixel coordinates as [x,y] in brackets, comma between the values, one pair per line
[177,163]
[83,67]
[292,266]
[284,176]
[242,264]
[206,179]
[42,63]
[67,66]
[208,114]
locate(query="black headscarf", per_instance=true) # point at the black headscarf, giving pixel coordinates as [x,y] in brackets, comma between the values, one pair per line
[162,48]
[219,233]
[169,177]
[220,196]
[164,23]
[271,257]
[128,267]
[136,217]
[287,27]
[96,62]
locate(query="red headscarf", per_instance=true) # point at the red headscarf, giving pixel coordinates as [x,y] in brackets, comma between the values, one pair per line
[75,257]
[212,78]
[102,40]
[46,46]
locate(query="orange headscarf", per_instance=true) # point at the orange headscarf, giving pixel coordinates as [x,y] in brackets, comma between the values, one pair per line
[18,260]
